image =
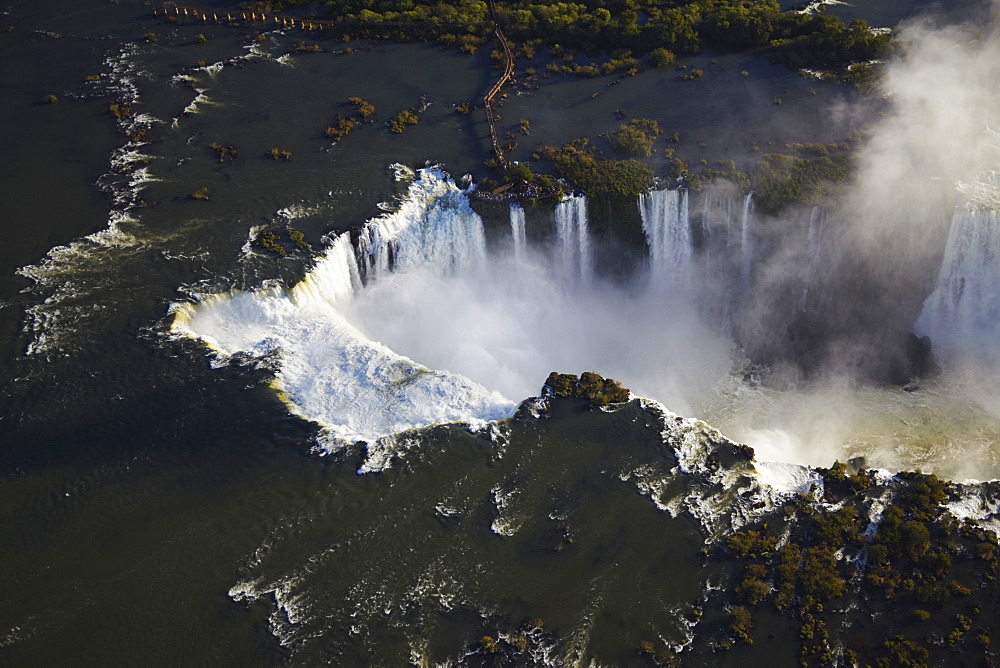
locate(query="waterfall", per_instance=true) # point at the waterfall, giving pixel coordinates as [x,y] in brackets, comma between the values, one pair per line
[517,230]
[814,248]
[434,227]
[746,245]
[574,239]
[963,311]
[667,227]
[334,279]
[330,371]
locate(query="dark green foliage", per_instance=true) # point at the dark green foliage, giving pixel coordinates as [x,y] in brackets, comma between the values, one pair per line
[399,122]
[365,109]
[919,571]
[597,390]
[923,499]
[561,384]
[837,528]
[489,645]
[299,239]
[742,623]
[667,28]
[269,241]
[834,474]
[751,545]
[464,109]
[780,180]
[819,576]
[826,41]
[520,172]
[677,168]
[600,391]
[661,57]
[636,138]
[340,129]
[902,538]
[906,652]
[753,590]
[577,162]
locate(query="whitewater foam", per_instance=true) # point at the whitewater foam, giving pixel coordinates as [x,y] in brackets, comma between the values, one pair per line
[329,371]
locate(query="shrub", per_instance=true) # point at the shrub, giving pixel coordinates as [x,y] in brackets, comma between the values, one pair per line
[577,163]
[820,578]
[365,109]
[753,590]
[340,129]
[299,239]
[750,544]
[742,623]
[630,141]
[662,57]
[399,122]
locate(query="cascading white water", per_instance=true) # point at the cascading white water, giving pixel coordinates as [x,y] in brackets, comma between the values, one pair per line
[746,245]
[667,226]
[429,229]
[573,237]
[963,311]
[517,231]
[330,371]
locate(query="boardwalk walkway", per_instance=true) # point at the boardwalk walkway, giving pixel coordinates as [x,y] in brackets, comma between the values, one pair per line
[508,74]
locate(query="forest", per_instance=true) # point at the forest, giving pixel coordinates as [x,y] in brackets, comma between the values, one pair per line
[791,37]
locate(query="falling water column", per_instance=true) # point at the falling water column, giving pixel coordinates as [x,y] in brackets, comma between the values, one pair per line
[667,226]
[517,230]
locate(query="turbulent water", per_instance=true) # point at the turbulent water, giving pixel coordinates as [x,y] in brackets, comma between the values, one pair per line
[433,293]
[413,321]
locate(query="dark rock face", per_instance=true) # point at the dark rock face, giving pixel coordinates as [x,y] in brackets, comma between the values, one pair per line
[918,352]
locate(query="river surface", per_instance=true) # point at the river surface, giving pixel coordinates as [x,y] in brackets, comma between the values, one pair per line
[162,504]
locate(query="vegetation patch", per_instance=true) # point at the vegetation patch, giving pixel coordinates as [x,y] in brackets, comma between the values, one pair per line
[364,108]
[596,390]
[636,138]
[578,162]
[404,118]
[223,152]
[340,128]
[921,573]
